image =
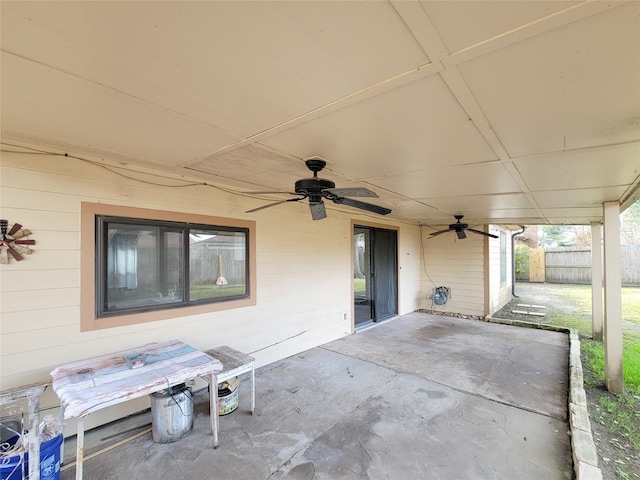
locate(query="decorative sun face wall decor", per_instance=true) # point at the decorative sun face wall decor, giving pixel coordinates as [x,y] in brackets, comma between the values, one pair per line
[13,242]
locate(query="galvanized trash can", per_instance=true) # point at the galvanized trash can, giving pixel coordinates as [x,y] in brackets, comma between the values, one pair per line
[171,413]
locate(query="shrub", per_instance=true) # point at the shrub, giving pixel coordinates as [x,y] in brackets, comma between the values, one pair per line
[522,261]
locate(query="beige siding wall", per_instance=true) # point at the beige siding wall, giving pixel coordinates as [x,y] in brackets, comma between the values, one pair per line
[410,290]
[459,265]
[304,272]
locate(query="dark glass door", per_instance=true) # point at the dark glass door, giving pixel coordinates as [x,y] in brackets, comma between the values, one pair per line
[375,274]
[385,284]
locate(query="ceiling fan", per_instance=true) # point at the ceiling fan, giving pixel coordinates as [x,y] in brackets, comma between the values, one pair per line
[460,228]
[316,188]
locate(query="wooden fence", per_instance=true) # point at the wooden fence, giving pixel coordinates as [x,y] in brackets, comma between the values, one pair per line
[573,265]
[568,265]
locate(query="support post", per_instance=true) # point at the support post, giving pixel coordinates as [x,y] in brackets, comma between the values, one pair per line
[597,311]
[80,448]
[34,437]
[613,375]
[213,408]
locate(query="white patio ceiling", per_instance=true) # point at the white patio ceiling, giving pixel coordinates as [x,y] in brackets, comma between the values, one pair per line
[510,112]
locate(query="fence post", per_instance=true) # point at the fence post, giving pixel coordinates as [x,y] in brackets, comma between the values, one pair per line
[536,265]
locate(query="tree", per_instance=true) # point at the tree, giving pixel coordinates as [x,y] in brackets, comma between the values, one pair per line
[580,235]
[565,235]
[630,224]
[553,235]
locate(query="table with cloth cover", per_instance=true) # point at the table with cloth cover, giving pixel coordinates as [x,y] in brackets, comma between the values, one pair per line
[89,385]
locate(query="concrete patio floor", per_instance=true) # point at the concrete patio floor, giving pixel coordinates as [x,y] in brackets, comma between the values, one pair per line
[418,397]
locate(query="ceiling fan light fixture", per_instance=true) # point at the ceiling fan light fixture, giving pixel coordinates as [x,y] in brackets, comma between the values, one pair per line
[318,210]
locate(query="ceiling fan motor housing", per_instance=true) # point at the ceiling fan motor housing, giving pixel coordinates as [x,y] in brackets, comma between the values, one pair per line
[307,186]
[458,226]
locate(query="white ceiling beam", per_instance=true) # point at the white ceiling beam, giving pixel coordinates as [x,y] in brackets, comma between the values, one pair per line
[419,24]
[537,27]
[425,33]
[392,83]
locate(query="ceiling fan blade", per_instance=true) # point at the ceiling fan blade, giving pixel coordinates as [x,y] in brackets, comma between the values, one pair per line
[483,233]
[352,192]
[361,205]
[318,211]
[274,204]
[440,232]
[267,192]
[461,234]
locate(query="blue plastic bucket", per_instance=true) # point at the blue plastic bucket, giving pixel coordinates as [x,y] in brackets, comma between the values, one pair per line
[49,462]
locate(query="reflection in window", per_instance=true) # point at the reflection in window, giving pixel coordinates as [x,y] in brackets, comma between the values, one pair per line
[149,265]
[217,264]
[122,260]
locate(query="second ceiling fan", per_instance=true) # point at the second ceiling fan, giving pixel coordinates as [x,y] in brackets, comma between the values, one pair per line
[460,228]
[316,189]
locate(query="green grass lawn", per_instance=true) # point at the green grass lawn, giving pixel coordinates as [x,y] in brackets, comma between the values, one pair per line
[200,292]
[578,297]
[617,414]
[630,361]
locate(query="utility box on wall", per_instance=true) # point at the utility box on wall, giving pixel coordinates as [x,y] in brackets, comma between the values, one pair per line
[440,295]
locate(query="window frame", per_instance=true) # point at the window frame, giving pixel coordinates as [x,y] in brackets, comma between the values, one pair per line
[89,258]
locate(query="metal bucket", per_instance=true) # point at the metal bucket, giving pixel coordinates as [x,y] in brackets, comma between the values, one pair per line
[171,413]
[9,428]
[228,396]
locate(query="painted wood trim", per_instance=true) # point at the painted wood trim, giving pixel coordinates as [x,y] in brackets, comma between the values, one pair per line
[88,320]
[486,257]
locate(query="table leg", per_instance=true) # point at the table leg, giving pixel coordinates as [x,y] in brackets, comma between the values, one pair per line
[80,448]
[62,423]
[34,437]
[213,408]
[253,388]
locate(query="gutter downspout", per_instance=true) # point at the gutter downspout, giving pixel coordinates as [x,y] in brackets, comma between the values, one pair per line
[513,260]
